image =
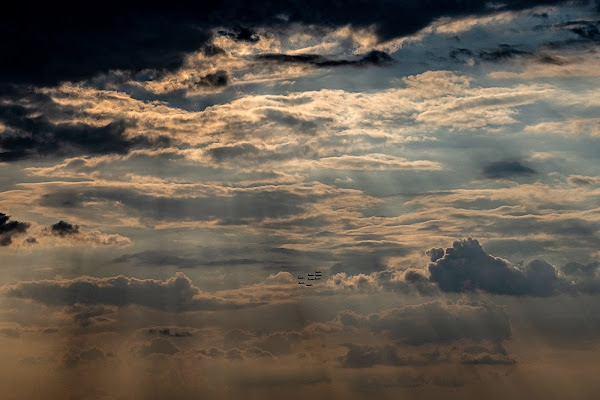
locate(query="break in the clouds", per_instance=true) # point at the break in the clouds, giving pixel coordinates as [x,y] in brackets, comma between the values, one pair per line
[300,199]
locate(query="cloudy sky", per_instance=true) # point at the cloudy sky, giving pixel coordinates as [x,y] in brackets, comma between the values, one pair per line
[168,173]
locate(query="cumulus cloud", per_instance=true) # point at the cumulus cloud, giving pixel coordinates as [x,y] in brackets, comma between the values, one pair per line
[62,228]
[176,293]
[409,281]
[97,43]
[467,267]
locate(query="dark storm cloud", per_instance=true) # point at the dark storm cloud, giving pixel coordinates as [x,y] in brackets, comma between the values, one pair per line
[54,42]
[435,322]
[8,229]
[377,58]
[242,34]
[467,267]
[506,169]
[62,228]
[29,133]
[177,293]
[212,50]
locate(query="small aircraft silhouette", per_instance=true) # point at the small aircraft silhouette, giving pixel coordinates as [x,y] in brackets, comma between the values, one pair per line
[311,275]
[300,283]
[309,284]
[311,279]
[317,272]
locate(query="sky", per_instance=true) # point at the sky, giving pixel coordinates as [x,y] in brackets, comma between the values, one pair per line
[290,198]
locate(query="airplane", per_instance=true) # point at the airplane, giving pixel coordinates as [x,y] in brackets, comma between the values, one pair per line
[309,284]
[317,272]
[310,275]
[311,279]
[300,283]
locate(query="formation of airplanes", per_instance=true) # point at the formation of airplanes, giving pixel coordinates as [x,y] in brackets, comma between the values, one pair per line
[311,277]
